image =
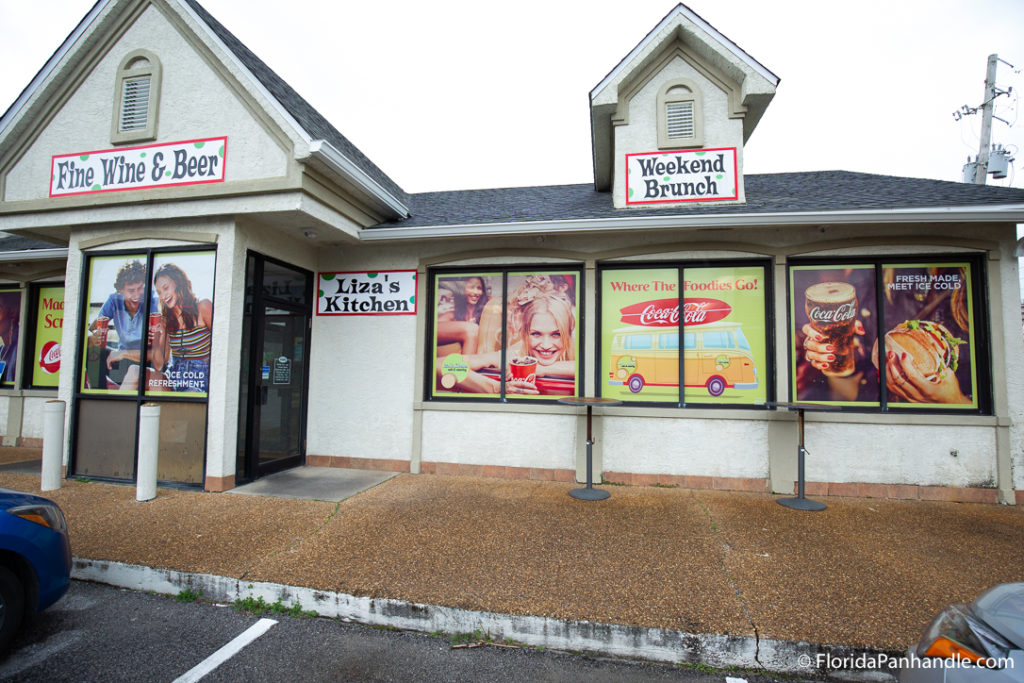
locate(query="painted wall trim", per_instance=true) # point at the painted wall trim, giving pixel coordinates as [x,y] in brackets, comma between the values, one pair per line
[176,235]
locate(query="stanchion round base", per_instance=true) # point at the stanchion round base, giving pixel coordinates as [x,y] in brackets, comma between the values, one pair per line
[589,494]
[801,503]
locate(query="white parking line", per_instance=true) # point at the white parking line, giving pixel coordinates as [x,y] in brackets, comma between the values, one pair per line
[227,652]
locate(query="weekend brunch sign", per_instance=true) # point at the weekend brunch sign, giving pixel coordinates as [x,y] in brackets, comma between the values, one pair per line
[695,175]
[135,168]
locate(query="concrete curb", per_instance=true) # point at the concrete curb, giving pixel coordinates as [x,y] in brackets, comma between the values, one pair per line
[656,644]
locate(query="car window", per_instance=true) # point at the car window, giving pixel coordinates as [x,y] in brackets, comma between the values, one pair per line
[638,341]
[690,340]
[744,344]
[715,340]
[669,341]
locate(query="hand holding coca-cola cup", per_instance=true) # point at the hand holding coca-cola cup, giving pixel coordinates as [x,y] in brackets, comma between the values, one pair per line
[829,335]
[102,328]
[522,375]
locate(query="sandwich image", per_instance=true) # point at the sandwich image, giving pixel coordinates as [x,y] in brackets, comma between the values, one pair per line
[929,346]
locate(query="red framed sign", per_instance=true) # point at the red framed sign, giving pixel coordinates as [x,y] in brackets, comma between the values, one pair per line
[367,292]
[192,162]
[691,175]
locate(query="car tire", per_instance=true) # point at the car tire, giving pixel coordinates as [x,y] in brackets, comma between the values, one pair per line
[636,384]
[12,606]
[716,385]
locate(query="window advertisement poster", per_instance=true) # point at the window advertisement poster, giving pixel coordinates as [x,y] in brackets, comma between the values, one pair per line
[468,333]
[834,318]
[640,334]
[115,308]
[930,357]
[49,319]
[542,342]
[181,325]
[725,346]
[10,314]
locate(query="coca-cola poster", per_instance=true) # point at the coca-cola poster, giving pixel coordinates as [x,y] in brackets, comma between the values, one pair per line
[114,323]
[834,326]
[527,321]
[717,316]
[49,318]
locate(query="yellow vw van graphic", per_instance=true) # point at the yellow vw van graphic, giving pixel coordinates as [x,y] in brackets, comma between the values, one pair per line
[715,355]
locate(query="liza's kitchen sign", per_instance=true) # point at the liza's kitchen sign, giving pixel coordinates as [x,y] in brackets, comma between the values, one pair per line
[135,168]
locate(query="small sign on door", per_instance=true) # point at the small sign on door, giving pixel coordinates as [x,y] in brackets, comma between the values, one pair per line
[282,370]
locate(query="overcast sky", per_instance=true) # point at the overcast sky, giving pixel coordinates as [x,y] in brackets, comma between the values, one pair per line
[456,95]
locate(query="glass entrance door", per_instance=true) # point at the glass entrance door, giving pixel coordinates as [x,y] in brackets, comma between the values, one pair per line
[281,392]
[272,405]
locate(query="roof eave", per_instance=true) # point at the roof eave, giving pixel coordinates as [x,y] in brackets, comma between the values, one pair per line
[333,158]
[44,73]
[56,254]
[999,213]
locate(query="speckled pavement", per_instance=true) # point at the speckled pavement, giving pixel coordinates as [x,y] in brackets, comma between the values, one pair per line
[865,572]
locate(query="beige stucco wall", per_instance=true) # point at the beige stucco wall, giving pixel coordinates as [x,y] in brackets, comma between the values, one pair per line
[376,357]
[708,447]
[641,133]
[195,102]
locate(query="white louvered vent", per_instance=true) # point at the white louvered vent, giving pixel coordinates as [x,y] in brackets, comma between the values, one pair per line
[679,117]
[135,104]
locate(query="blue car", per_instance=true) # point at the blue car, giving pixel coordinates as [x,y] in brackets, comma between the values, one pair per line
[35,558]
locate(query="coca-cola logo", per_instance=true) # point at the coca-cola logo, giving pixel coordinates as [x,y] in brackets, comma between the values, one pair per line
[49,357]
[665,312]
[839,314]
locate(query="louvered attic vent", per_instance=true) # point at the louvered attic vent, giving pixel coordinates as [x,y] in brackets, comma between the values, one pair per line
[135,104]
[679,119]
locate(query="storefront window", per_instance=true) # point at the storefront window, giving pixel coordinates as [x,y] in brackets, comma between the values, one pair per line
[47,309]
[181,328]
[116,309]
[725,359]
[888,334]
[532,333]
[147,334]
[10,314]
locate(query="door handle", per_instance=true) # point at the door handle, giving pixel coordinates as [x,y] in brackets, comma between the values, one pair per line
[264,394]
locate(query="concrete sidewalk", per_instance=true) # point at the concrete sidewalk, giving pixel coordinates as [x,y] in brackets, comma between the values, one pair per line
[865,573]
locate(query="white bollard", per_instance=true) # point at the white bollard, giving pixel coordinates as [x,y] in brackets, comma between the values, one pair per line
[149,444]
[53,446]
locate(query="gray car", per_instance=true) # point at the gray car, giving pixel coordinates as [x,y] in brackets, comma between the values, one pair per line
[982,641]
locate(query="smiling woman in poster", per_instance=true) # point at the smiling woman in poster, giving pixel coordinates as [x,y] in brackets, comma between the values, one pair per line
[543,348]
[183,338]
[459,320]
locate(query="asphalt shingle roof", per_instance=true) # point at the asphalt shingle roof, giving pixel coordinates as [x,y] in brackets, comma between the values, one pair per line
[810,192]
[312,121]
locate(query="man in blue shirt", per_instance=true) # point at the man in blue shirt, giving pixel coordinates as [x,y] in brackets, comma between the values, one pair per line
[123,308]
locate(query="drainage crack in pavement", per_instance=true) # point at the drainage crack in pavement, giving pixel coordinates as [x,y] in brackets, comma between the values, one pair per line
[732,582]
[295,543]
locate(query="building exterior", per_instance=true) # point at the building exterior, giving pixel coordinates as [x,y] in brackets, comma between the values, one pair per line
[236,260]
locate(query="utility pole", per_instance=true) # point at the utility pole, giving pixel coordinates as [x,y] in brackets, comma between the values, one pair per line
[988,102]
[977,171]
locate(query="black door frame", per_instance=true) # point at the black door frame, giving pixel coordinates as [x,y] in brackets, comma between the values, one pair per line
[256,300]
